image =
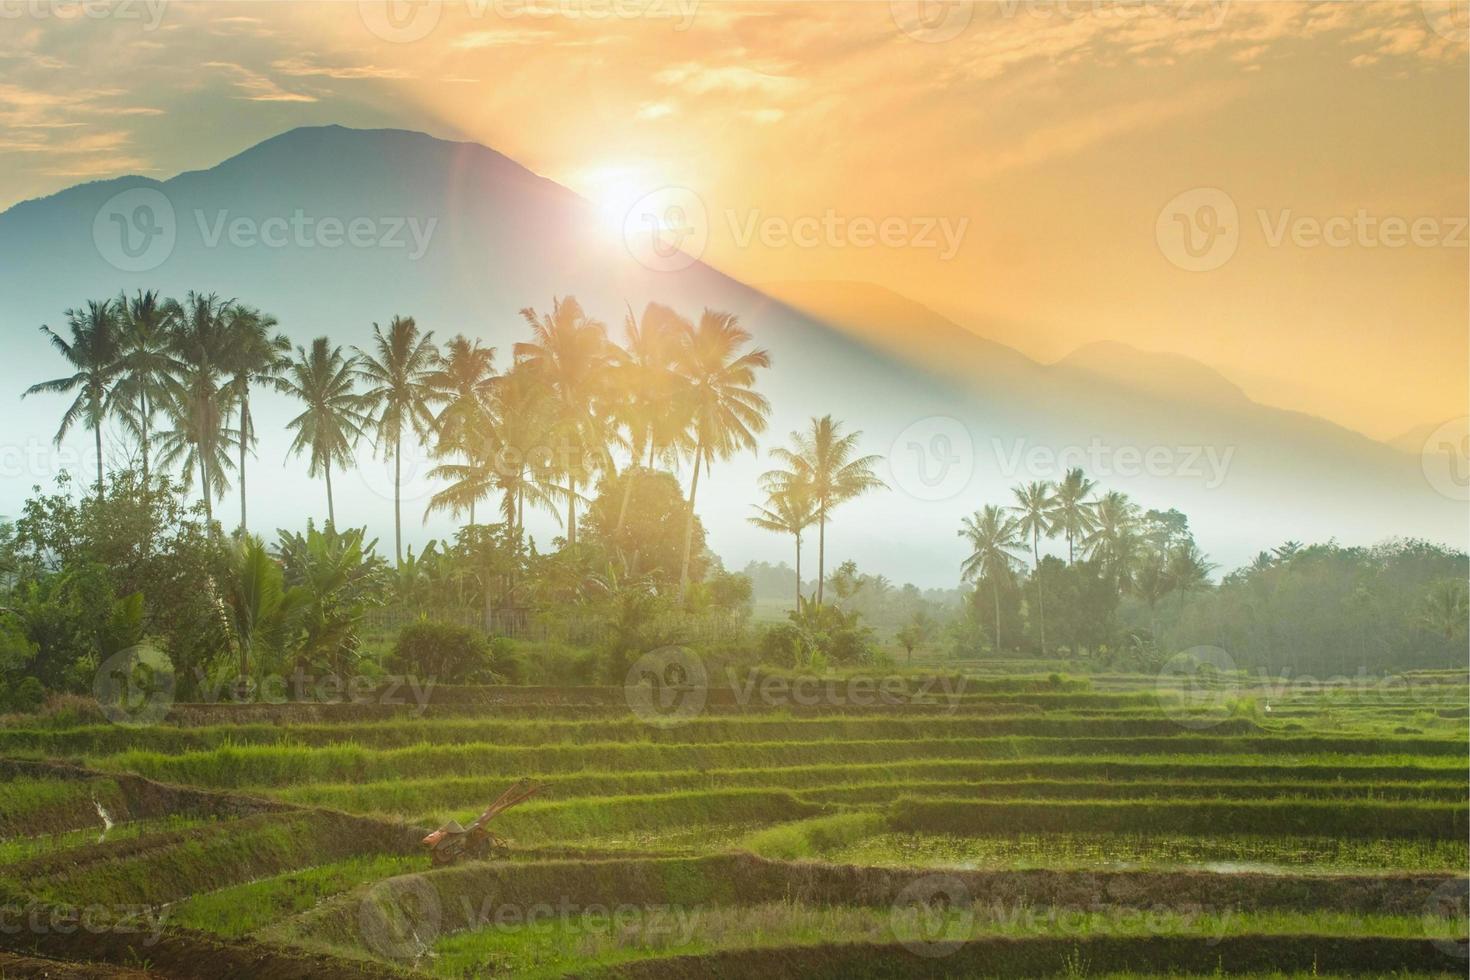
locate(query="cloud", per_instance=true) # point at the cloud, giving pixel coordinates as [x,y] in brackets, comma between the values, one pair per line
[256,86]
[301,67]
[702,79]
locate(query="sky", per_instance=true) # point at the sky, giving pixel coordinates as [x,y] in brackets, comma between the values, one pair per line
[1276,189]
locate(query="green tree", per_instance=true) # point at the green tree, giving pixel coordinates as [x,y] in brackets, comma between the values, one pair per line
[147,368]
[1071,511]
[650,395]
[464,384]
[92,352]
[789,511]
[568,353]
[1033,519]
[259,610]
[324,380]
[200,401]
[725,411]
[398,397]
[990,534]
[256,356]
[823,464]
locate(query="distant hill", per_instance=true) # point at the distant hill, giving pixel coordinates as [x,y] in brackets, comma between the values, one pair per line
[493,237]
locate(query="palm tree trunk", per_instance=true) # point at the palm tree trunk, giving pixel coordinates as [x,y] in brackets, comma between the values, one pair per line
[689,521]
[995,591]
[821,550]
[397,508]
[572,514]
[244,442]
[628,476]
[331,512]
[798,573]
[472,512]
[1040,595]
[97,435]
[144,445]
[208,497]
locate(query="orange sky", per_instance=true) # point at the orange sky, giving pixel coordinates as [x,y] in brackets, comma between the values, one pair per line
[1049,138]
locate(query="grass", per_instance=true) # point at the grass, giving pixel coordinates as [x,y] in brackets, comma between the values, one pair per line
[282,764]
[1089,851]
[241,910]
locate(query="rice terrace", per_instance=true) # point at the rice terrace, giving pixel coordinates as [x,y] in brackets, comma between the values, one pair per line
[679,489]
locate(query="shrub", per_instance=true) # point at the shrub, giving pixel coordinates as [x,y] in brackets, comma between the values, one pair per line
[449,654]
[781,645]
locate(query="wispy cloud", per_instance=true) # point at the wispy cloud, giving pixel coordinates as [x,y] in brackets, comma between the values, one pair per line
[257,87]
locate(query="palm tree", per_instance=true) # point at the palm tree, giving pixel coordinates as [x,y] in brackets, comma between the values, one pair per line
[1189,568]
[147,367]
[725,410]
[464,383]
[199,402]
[1071,513]
[649,390]
[568,353]
[324,380]
[256,356]
[1113,539]
[788,512]
[521,463]
[398,396]
[1033,519]
[1151,582]
[822,461]
[991,534]
[93,353]
[1446,609]
[258,608]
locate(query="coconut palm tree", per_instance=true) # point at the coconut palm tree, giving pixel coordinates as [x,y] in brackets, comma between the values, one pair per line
[1071,513]
[650,394]
[1446,609]
[257,355]
[199,402]
[991,534]
[1113,539]
[1151,582]
[1033,519]
[824,463]
[520,456]
[147,369]
[569,354]
[725,410]
[258,607]
[791,512]
[464,384]
[399,396]
[92,352]
[324,380]
[1189,568]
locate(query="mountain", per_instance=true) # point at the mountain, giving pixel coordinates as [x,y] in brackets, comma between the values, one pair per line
[333,229]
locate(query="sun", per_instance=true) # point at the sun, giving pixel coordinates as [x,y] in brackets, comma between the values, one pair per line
[614,188]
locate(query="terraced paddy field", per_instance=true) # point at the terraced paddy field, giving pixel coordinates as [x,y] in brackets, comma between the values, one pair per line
[1006,826]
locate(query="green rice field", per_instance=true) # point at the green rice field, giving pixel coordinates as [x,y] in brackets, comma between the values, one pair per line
[1026,827]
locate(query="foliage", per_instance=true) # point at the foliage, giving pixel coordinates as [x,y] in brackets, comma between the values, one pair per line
[340,575]
[447,654]
[648,535]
